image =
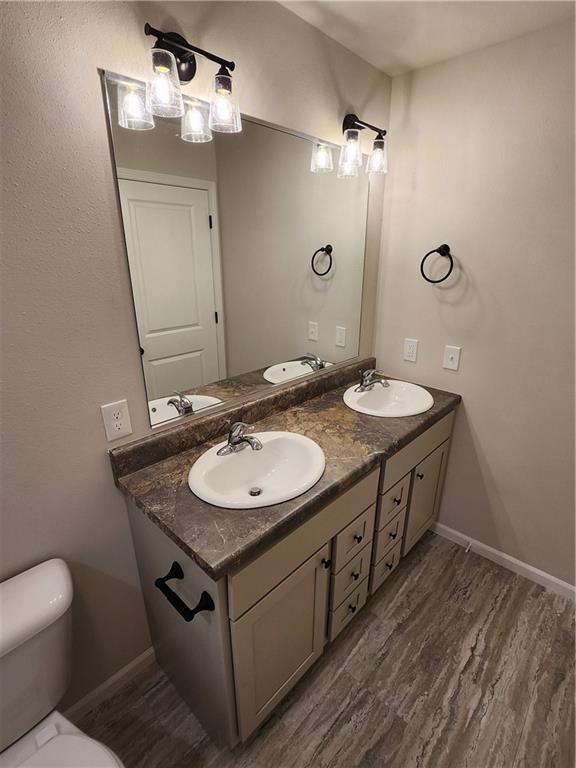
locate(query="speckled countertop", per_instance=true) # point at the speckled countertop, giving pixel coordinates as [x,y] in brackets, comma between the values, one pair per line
[221,540]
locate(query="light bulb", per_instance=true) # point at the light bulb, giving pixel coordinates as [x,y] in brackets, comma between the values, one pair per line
[194,126]
[350,155]
[321,159]
[163,94]
[378,160]
[224,114]
[132,111]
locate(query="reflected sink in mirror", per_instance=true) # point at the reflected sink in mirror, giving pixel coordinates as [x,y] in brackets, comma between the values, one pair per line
[293,369]
[399,399]
[161,412]
[287,466]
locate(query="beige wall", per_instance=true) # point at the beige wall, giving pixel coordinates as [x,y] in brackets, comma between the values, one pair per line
[69,335]
[482,158]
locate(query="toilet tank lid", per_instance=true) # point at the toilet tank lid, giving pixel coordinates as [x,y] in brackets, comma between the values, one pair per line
[31,601]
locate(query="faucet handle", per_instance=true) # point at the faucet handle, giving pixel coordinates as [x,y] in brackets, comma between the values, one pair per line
[240,428]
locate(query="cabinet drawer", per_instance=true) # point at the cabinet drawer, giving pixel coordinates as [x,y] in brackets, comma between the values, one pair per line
[389,536]
[344,614]
[346,581]
[392,500]
[353,538]
[384,568]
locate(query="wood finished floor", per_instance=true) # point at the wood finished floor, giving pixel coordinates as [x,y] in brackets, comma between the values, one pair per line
[455,663]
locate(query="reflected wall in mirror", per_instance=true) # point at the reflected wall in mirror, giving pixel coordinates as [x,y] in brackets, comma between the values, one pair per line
[220,237]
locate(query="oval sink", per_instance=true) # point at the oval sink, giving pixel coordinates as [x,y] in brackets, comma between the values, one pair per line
[160,411]
[293,369]
[399,399]
[287,466]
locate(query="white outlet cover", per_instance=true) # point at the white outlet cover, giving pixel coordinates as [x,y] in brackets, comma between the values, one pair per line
[410,350]
[340,336]
[451,358]
[116,418]
[312,331]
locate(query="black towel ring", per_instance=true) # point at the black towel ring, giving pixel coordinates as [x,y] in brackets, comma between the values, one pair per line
[443,250]
[327,249]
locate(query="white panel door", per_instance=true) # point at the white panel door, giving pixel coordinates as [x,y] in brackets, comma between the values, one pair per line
[170,254]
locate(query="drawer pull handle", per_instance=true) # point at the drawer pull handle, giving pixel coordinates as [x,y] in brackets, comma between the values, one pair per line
[352,608]
[326,563]
[397,500]
[355,575]
[392,535]
[204,604]
[419,475]
[358,538]
[390,566]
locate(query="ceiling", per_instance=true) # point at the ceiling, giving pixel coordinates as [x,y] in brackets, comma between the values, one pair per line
[399,36]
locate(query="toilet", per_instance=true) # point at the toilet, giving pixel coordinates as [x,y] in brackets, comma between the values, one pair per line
[35,661]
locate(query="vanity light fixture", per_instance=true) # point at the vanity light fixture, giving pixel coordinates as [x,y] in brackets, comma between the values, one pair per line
[321,158]
[351,154]
[194,127]
[164,97]
[224,114]
[133,112]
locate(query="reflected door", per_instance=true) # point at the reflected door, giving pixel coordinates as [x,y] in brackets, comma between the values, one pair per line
[170,254]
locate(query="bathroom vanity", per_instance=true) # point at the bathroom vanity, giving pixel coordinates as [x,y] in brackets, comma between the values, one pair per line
[274,585]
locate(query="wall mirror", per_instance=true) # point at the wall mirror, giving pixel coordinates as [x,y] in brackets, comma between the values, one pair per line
[220,236]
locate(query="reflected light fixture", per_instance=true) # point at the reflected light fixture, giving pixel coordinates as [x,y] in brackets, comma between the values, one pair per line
[180,67]
[132,110]
[194,127]
[351,153]
[321,161]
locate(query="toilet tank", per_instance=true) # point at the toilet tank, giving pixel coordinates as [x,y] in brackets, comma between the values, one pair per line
[34,646]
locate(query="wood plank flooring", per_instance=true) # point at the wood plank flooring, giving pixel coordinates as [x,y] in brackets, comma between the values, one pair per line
[454,663]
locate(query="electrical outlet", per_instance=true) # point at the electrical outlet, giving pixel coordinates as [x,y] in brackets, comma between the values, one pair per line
[312,331]
[451,358]
[116,417]
[340,336]
[410,350]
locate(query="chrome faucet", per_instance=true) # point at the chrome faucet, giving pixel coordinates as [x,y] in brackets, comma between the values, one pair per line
[315,362]
[238,439]
[182,404]
[367,381]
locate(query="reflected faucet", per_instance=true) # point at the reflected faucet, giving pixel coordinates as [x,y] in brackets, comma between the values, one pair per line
[315,362]
[182,404]
[238,439]
[368,380]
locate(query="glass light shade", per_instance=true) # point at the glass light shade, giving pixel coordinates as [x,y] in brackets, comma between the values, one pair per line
[132,110]
[350,155]
[163,91]
[224,110]
[378,160]
[194,126]
[321,159]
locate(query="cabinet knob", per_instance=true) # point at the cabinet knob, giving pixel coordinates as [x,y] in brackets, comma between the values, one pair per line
[392,535]
[389,566]
[355,575]
[358,538]
[326,563]
[419,475]
[397,500]
[352,608]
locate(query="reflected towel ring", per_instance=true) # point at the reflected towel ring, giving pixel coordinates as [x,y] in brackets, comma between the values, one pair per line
[327,249]
[443,250]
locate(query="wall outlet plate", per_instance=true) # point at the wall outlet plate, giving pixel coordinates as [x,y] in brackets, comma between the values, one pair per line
[116,418]
[340,336]
[451,358]
[410,350]
[312,331]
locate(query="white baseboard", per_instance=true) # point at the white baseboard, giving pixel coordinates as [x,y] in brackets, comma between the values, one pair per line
[110,686]
[507,561]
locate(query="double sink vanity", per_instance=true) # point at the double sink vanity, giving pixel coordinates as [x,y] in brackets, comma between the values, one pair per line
[255,552]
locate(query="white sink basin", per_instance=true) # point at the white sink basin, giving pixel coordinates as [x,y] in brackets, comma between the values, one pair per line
[293,369]
[160,411]
[399,399]
[288,465]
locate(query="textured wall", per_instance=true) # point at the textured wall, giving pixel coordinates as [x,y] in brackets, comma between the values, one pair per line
[70,339]
[482,157]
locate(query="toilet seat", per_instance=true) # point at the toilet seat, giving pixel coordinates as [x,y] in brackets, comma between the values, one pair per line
[72,751]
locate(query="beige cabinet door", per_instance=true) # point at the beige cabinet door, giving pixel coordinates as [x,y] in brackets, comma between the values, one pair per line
[426,486]
[276,641]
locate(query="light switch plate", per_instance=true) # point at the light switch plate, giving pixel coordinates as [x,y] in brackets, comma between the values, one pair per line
[410,350]
[116,417]
[340,336]
[451,358]
[312,331]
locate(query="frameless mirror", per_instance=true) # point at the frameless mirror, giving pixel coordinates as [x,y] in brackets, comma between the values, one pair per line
[220,237]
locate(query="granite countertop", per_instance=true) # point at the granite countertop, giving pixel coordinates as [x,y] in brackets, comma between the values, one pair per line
[221,540]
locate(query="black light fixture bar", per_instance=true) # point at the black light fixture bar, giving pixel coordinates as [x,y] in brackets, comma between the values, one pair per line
[178,45]
[352,121]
